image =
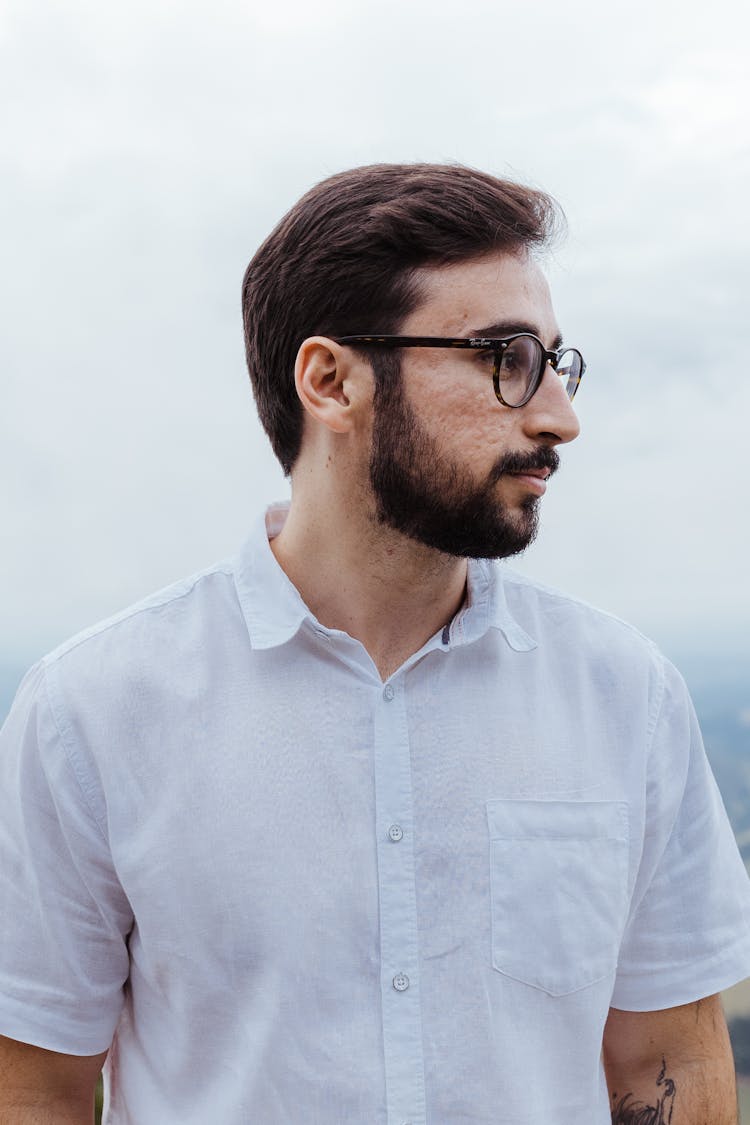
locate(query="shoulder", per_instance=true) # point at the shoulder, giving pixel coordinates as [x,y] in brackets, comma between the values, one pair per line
[576,630]
[548,605]
[156,638]
[132,689]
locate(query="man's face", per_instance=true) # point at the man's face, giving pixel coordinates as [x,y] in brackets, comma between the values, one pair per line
[450,466]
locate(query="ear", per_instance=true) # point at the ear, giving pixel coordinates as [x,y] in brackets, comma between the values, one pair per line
[322,377]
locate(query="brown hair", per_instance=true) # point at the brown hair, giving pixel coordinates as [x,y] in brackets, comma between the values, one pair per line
[341,262]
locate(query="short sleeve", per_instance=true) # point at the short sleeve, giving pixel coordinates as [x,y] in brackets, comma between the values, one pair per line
[688,933]
[64,919]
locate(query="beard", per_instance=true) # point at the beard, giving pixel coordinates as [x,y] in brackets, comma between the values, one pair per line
[434,500]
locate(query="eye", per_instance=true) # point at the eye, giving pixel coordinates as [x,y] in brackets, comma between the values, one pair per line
[514,358]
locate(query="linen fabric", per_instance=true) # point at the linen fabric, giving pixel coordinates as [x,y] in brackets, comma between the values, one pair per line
[287,892]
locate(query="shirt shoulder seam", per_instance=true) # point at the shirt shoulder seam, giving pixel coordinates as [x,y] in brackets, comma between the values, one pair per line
[65,734]
[156,601]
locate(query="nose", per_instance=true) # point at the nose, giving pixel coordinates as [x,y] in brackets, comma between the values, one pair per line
[550,414]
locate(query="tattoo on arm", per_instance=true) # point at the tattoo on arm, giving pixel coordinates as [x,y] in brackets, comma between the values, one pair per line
[627,1111]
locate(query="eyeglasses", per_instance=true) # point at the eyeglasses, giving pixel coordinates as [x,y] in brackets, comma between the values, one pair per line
[519,361]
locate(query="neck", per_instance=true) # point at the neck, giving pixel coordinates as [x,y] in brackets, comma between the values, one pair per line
[388,592]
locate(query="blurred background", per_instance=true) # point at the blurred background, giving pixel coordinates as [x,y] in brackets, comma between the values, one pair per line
[147,149]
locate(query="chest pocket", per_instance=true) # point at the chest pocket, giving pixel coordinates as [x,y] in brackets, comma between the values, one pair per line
[558,881]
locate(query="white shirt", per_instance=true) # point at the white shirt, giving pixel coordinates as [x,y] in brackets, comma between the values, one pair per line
[286,892]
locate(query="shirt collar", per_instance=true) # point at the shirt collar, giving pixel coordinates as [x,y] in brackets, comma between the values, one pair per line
[271,604]
[274,610]
[486,607]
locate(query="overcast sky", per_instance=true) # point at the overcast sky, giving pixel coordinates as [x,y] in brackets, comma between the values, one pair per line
[148,148]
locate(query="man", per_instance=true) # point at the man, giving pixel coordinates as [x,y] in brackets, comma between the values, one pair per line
[360,826]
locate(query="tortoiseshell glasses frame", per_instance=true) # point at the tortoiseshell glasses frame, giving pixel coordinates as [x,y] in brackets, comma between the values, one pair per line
[519,361]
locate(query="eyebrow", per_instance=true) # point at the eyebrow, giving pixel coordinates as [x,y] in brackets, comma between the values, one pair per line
[508,328]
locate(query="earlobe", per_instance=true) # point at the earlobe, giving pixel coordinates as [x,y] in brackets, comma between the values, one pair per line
[320,375]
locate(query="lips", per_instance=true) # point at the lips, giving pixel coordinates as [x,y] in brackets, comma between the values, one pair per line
[540,474]
[535,480]
[539,463]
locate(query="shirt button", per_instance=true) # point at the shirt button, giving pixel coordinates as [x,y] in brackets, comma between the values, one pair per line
[401,982]
[388,693]
[395,832]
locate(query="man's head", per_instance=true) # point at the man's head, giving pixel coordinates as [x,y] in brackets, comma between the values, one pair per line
[429,250]
[343,262]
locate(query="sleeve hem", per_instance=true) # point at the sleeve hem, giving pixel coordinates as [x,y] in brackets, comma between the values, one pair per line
[66,1037]
[655,990]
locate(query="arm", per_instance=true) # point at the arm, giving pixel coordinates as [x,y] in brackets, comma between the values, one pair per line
[676,1059]
[39,1087]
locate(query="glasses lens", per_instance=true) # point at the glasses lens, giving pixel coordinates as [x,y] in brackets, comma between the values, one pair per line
[519,368]
[570,369]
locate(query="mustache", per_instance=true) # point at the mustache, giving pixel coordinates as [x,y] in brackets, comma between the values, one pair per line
[516,462]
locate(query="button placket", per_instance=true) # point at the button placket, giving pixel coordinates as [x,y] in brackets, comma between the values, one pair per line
[400,996]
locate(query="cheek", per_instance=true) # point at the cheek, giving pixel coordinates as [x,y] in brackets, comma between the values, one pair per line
[461,414]
[471,423]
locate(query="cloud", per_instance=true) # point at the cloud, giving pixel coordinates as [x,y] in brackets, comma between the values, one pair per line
[150,148]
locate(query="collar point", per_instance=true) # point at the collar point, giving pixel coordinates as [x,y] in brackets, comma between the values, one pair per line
[516,637]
